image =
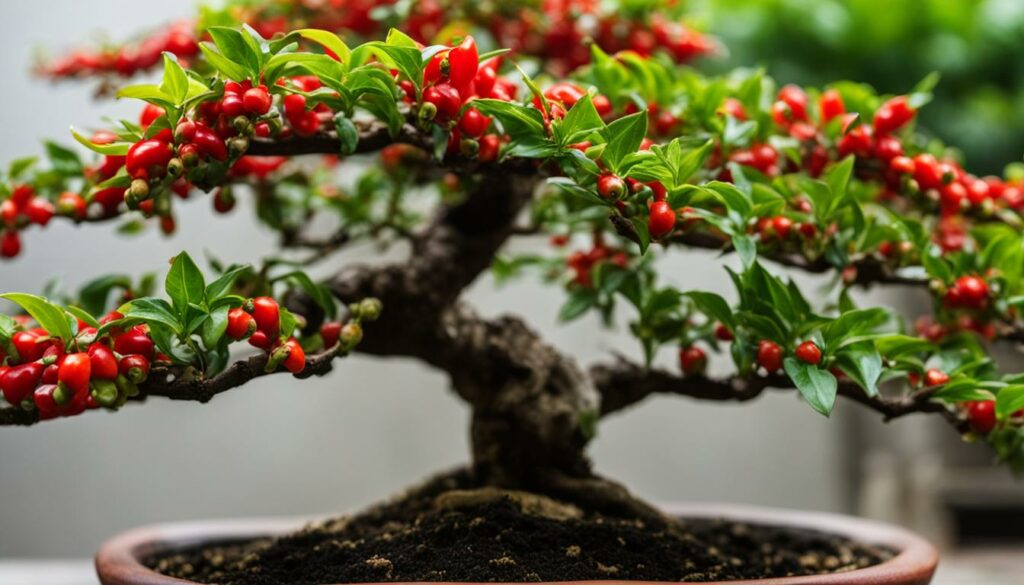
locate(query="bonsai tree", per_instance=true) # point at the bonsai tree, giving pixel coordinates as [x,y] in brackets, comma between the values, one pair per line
[456,129]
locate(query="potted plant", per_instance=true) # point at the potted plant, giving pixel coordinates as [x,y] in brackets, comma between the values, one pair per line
[611,149]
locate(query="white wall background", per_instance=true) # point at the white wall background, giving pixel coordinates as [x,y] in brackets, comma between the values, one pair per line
[283,447]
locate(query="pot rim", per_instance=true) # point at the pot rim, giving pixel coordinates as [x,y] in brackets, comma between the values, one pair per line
[117,562]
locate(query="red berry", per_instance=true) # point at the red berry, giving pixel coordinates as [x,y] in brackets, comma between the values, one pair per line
[148,158]
[104,364]
[661,220]
[135,341]
[18,382]
[808,352]
[71,205]
[10,244]
[45,401]
[769,356]
[9,211]
[149,115]
[445,98]
[473,124]
[134,367]
[692,360]
[232,106]
[463,62]
[782,224]
[611,186]
[223,200]
[490,147]
[260,340]
[831,105]
[40,211]
[74,372]
[968,291]
[723,333]
[296,360]
[893,115]
[330,332]
[240,324]
[257,101]
[209,143]
[267,314]
[935,377]
[563,92]
[982,415]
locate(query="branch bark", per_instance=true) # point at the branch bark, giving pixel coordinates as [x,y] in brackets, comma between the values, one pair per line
[177,383]
[624,383]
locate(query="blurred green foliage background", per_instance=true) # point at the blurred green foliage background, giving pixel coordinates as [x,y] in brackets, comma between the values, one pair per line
[977,46]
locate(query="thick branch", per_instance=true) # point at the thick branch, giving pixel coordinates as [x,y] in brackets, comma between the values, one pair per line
[177,383]
[624,383]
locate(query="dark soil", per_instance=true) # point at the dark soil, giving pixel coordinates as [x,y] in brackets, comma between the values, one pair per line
[504,539]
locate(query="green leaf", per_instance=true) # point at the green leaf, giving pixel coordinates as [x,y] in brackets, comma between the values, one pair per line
[114,148]
[863,364]
[1009,400]
[185,284]
[746,248]
[838,176]
[152,310]
[817,386]
[329,41]
[175,82]
[580,121]
[578,303]
[49,316]
[853,324]
[624,138]
[219,287]
[83,315]
[222,64]
[238,47]
[347,133]
[63,160]
[214,327]
[320,293]
[714,306]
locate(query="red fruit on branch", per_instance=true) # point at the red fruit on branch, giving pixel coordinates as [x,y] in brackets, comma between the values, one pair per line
[74,372]
[223,200]
[149,114]
[831,105]
[893,115]
[45,402]
[240,324]
[490,147]
[135,341]
[148,159]
[134,367]
[104,364]
[71,205]
[723,333]
[329,333]
[257,100]
[968,291]
[28,345]
[809,353]
[208,143]
[463,62]
[611,186]
[40,211]
[260,340]
[662,219]
[692,360]
[473,124]
[10,244]
[296,360]
[267,314]
[18,382]
[445,98]
[935,377]
[769,356]
[982,415]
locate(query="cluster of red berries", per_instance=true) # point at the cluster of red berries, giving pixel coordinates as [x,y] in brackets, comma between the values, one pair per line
[39,374]
[259,321]
[582,263]
[178,39]
[967,292]
[451,81]
[23,206]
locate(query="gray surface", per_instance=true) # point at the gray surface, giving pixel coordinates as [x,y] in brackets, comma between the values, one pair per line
[284,448]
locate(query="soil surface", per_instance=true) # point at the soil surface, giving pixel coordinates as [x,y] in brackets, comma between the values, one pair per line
[513,536]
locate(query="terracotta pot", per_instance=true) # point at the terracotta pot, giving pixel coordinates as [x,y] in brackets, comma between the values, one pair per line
[117,563]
